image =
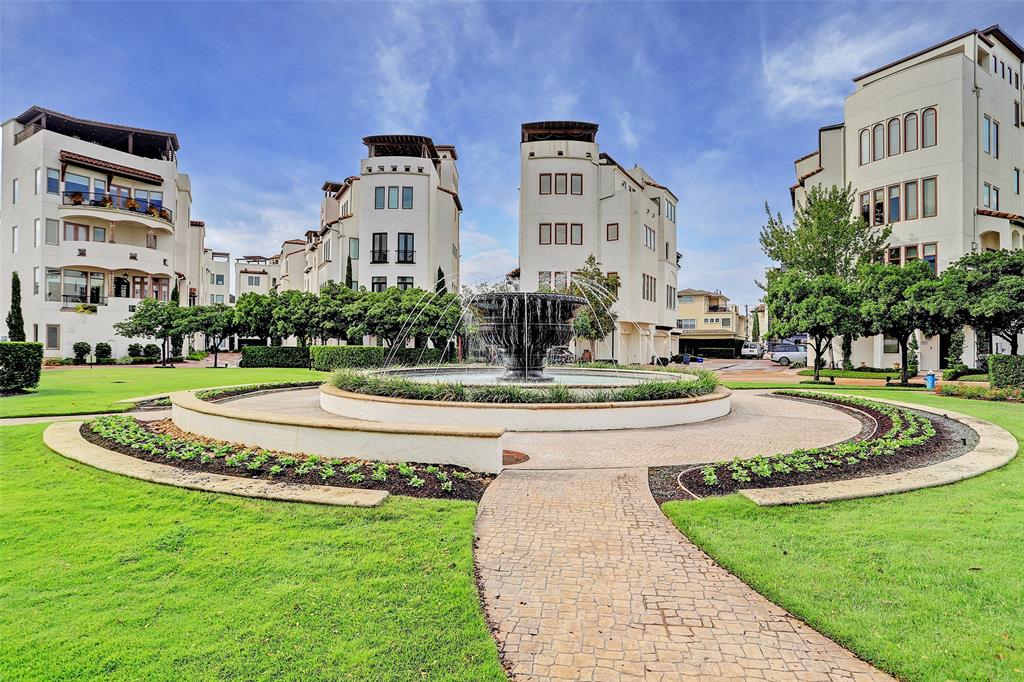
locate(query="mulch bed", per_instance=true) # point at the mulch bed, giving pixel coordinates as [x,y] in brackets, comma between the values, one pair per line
[951,439]
[471,488]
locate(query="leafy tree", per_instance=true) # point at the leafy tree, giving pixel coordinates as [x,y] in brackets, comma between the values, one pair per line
[823,306]
[596,320]
[912,348]
[254,315]
[331,309]
[894,301]
[848,352]
[986,289]
[955,354]
[178,340]
[152,319]
[295,315]
[216,322]
[378,313]
[755,328]
[15,321]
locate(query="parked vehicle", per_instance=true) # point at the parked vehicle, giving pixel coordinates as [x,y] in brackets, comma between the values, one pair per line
[560,355]
[788,353]
[751,349]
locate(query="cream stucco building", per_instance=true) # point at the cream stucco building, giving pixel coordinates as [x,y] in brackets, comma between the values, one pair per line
[707,320]
[933,145]
[95,217]
[217,275]
[576,201]
[256,274]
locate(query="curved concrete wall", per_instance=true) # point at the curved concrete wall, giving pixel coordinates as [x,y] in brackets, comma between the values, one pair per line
[540,417]
[478,449]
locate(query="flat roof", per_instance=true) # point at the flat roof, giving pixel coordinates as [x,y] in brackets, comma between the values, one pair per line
[400,145]
[144,142]
[538,131]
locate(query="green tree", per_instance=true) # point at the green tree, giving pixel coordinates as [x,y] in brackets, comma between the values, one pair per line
[822,306]
[152,319]
[596,320]
[348,273]
[441,285]
[755,328]
[955,354]
[986,291]
[15,321]
[216,322]
[254,315]
[332,307]
[178,340]
[894,301]
[295,315]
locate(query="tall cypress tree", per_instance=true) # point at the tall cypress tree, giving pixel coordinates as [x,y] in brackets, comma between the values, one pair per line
[15,322]
[348,272]
[441,286]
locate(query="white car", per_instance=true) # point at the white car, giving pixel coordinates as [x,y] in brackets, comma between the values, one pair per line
[751,349]
[788,353]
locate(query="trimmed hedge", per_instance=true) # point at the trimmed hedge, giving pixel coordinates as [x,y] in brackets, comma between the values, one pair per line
[20,365]
[275,356]
[330,358]
[1006,370]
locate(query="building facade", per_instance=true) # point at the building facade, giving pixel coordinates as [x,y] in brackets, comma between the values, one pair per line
[95,217]
[934,145]
[576,201]
[707,320]
[256,274]
[217,277]
[395,224]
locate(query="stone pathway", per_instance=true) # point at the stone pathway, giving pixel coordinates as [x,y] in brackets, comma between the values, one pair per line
[583,578]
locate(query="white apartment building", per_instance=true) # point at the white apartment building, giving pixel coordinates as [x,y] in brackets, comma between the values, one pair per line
[933,144]
[94,217]
[256,274]
[292,259]
[576,201]
[396,223]
[217,276]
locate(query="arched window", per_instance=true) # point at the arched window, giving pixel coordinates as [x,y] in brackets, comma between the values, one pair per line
[910,132]
[865,146]
[930,137]
[878,142]
[894,136]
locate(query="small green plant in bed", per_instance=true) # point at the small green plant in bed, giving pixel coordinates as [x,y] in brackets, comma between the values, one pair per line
[213,394]
[129,436]
[704,382]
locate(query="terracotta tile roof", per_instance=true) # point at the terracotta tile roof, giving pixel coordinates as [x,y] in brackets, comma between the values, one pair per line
[1013,217]
[808,174]
[652,183]
[458,202]
[126,171]
[806,156]
[295,241]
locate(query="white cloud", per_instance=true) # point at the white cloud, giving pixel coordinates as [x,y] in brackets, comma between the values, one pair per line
[628,135]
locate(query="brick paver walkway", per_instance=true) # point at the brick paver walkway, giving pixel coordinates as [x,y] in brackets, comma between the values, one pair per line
[583,578]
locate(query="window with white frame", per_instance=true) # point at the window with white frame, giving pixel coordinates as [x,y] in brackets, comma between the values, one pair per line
[687,323]
[36,281]
[253,280]
[52,231]
[14,239]
[52,181]
[37,180]
[37,233]
[650,238]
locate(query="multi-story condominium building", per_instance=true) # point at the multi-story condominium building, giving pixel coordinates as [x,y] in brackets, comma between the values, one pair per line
[707,320]
[256,274]
[396,223]
[933,144]
[576,201]
[217,277]
[293,264]
[95,217]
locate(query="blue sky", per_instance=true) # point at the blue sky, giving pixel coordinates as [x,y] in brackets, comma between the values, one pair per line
[270,99]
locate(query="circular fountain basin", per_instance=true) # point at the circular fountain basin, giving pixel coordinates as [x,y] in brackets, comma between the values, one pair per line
[532,416]
[570,377]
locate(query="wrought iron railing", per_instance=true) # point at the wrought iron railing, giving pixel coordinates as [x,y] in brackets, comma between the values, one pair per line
[84,297]
[405,256]
[378,256]
[100,200]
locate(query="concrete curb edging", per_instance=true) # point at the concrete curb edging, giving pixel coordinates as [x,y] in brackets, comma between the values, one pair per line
[996,446]
[65,439]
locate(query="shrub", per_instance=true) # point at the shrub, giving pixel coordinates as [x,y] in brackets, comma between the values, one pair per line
[275,356]
[1006,370]
[417,356]
[151,351]
[80,349]
[103,352]
[135,350]
[982,393]
[197,355]
[329,358]
[20,365]
[954,373]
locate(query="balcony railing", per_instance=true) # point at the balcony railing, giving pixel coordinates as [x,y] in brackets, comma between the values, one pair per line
[405,257]
[378,256]
[718,309]
[84,297]
[129,204]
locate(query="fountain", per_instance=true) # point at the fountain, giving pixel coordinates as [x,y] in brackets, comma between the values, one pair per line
[523,326]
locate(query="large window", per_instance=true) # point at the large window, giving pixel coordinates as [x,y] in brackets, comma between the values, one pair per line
[545,183]
[878,142]
[52,284]
[910,132]
[611,232]
[650,238]
[52,337]
[894,136]
[407,197]
[894,203]
[865,146]
[353,248]
[405,283]
[561,233]
[930,136]
[378,283]
[878,200]
[75,233]
[561,281]
[576,233]
[52,181]
[576,185]
[379,247]
[378,197]
[253,280]
[406,247]
[931,253]
[930,198]
[910,200]
[393,196]
[649,288]
[560,183]
[544,235]
[890,344]
[76,183]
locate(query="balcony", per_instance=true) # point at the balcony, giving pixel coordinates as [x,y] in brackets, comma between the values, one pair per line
[405,257]
[138,207]
[378,256]
[718,309]
[82,298]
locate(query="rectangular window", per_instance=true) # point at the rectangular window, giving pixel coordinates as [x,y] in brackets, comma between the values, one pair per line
[894,204]
[561,281]
[865,207]
[99,234]
[101,189]
[212,299]
[378,197]
[353,248]
[14,191]
[995,198]
[544,279]
[686,300]
[393,196]
[211,278]
[544,237]
[327,249]
[930,255]
[52,284]
[254,280]
[406,247]
[995,139]
[53,337]
[14,239]
[726,321]
[76,184]
[37,180]
[890,345]
[893,256]
[611,232]
[407,197]
[560,181]
[1017,120]
[930,198]
[379,247]
[1016,180]
[36,281]
[52,181]
[986,136]
[219,298]
[576,233]
[910,200]
[545,183]
[986,195]
[576,185]
[37,236]
[220,280]
[561,233]
[650,238]
[75,233]
[688,323]
[879,203]
[405,283]
[909,253]
[378,283]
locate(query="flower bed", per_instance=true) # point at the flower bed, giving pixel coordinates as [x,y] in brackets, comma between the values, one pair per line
[898,439]
[395,387]
[220,393]
[982,393]
[164,443]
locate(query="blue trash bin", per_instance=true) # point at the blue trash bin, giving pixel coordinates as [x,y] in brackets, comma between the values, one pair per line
[929,380]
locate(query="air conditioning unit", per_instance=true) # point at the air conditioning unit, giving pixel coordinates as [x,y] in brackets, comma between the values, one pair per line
[81,252]
[133,256]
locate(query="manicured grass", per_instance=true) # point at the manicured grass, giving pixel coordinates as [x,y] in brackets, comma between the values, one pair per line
[81,391]
[105,577]
[973,377]
[927,585]
[849,374]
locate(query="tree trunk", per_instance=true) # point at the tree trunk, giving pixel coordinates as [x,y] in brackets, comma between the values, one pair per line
[817,358]
[903,361]
[216,348]
[1010,336]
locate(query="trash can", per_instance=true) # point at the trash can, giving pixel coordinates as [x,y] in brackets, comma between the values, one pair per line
[929,380]
[686,358]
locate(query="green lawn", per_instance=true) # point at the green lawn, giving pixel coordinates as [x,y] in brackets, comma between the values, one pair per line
[849,374]
[927,585]
[113,578]
[81,391]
